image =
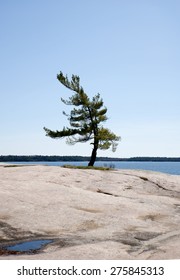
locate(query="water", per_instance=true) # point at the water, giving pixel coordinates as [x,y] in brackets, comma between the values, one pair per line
[165,167]
[29,245]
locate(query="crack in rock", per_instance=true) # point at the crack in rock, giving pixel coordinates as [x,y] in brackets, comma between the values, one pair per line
[177,193]
[107,193]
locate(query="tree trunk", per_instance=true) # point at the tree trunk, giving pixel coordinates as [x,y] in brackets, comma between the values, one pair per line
[93,155]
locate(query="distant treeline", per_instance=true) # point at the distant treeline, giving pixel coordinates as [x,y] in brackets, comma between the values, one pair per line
[14,158]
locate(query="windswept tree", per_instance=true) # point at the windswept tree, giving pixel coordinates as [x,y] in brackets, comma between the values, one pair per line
[85,119]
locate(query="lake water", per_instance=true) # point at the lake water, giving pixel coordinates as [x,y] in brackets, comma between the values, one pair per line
[165,167]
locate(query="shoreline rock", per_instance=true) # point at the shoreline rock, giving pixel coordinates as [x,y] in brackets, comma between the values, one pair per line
[90,214]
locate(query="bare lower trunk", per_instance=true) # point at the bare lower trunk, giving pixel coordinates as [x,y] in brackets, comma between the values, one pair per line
[93,156]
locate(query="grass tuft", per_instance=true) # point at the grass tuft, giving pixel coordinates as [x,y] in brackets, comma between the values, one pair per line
[87,167]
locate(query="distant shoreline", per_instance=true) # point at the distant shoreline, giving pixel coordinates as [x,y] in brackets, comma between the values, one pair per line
[38,158]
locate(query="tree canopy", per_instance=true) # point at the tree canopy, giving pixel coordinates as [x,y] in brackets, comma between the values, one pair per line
[85,119]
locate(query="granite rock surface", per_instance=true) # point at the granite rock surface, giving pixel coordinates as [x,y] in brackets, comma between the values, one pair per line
[90,214]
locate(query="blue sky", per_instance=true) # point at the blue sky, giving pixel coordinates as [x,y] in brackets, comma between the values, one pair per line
[127,50]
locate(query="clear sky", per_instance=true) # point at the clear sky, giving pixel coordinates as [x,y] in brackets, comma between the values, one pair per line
[127,50]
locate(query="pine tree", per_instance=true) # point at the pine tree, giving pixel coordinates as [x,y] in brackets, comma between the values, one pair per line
[85,119]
